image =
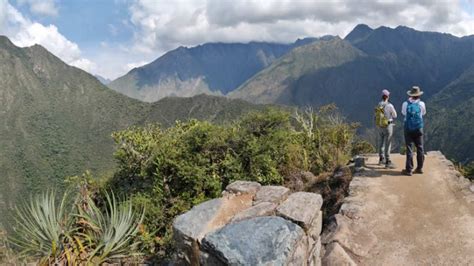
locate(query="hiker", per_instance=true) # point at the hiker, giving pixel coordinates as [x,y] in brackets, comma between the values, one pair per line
[414,109]
[384,119]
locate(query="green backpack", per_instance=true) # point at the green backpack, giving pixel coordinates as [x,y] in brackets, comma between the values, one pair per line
[380,119]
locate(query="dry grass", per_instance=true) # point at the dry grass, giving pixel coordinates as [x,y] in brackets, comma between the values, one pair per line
[333,187]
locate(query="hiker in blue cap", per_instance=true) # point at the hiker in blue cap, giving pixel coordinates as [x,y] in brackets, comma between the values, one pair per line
[414,109]
[385,115]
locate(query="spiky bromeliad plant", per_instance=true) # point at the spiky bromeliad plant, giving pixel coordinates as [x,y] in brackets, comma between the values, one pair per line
[44,228]
[110,234]
[67,232]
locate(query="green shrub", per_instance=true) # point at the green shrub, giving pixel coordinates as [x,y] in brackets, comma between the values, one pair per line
[169,170]
[467,170]
[362,147]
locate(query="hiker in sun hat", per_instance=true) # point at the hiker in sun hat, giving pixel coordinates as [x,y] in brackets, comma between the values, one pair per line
[385,115]
[414,109]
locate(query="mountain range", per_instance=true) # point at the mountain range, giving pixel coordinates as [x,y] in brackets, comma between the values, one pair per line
[367,61]
[212,68]
[56,120]
[349,72]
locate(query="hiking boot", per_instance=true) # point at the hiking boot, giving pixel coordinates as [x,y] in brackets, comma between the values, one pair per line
[390,165]
[418,171]
[406,172]
[381,161]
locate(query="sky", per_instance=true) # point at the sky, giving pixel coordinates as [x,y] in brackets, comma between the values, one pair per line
[110,37]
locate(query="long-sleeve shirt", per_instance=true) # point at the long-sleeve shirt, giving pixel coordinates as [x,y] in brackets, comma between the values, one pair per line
[405,104]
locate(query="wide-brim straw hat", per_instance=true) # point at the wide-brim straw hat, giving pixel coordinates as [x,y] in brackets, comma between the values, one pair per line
[415,91]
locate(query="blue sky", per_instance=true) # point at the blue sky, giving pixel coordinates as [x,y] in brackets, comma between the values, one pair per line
[109,37]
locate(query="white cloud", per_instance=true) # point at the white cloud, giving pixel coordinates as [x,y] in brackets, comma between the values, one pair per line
[24,32]
[114,61]
[133,65]
[163,25]
[41,7]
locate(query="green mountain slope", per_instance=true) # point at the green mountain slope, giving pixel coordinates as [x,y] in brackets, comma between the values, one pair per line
[351,73]
[56,120]
[211,68]
[271,84]
[451,127]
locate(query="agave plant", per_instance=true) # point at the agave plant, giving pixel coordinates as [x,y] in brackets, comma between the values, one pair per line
[110,233]
[44,228]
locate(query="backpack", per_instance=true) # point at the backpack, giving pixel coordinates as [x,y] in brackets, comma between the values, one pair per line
[414,119]
[380,118]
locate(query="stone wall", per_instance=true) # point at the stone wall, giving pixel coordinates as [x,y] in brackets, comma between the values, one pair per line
[252,225]
[337,238]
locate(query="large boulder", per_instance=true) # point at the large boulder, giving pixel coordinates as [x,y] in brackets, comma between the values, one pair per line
[190,227]
[301,208]
[243,187]
[261,209]
[274,194]
[267,240]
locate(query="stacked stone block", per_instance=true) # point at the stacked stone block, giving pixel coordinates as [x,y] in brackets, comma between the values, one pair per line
[252,225]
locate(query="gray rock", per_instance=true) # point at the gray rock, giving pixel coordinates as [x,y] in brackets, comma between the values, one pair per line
[193,222]
[336,255]
[300,255]
[301,207]
[349,236]
[314,256]
[267,240]
[316,227]
[261,209]
[243,187]
[351,208]
[190,227]
[359,161]
[274,194]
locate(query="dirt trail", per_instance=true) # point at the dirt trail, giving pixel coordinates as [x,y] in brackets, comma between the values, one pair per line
[425,219]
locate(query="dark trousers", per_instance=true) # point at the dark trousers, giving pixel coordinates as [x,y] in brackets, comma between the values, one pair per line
[417,139]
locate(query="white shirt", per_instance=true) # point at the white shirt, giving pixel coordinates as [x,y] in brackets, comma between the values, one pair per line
[389,110]
[422,106]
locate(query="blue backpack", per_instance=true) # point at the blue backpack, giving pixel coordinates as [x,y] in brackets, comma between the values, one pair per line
[414,119]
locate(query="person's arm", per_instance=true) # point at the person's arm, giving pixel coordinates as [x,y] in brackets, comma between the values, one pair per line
[423,108]
[393,111]
[404,109]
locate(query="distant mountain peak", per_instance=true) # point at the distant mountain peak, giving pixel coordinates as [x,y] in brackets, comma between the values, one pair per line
[212,68]
[362,26]
[401,27]
[103,80]
[360,32]
[5,42]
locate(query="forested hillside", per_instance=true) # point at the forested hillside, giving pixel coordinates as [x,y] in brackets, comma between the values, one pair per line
[56,120]
[374,59]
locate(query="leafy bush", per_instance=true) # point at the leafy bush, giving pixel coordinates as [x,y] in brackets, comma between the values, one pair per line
[362,147]
[170,170]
